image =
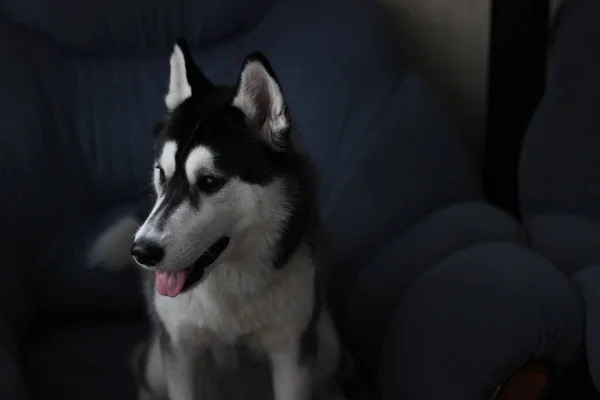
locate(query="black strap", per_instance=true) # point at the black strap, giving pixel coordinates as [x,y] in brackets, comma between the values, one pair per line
[516,82]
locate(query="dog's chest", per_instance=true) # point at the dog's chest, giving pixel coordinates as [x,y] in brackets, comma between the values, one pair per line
[215,309]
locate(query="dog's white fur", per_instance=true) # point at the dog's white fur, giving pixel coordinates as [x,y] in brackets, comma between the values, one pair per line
[199,159]
[242,297]
[271,323]
[249,99]
[179,87]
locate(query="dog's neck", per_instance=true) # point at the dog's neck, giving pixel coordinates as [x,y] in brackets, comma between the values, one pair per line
[241,275]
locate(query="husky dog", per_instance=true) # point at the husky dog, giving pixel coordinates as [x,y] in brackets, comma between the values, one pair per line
[229,249]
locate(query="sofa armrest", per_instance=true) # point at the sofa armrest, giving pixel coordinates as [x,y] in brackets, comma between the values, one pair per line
[474,319]
[559,168]
[569,240]
[402,260]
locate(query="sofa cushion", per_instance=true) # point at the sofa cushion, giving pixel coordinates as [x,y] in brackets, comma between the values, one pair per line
[374,296]
[138,27]
[393,178]
[473,319]
[80,98]
[93,112]
[570,241]
[559,170]
[368,126]
[588,281]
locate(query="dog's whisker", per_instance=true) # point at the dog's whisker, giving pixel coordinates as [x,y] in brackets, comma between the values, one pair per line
[211,254]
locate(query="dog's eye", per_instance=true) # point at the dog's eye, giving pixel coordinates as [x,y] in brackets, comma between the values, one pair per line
[210,184]
[161,174]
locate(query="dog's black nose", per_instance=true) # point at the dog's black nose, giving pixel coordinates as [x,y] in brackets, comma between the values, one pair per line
[147,253]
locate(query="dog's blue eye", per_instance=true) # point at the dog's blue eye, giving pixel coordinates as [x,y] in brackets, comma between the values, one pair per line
[210,184]
[161,174]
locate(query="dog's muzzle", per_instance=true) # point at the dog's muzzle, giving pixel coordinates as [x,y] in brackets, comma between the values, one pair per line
[172,283]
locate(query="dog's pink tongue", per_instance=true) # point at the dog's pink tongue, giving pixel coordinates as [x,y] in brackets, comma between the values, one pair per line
[170,283]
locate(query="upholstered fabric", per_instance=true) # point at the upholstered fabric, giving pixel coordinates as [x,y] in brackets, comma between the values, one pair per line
[560,168]
[82,86]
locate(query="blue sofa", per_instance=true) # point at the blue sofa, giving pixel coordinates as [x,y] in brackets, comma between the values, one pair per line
[434,290]
[560,166]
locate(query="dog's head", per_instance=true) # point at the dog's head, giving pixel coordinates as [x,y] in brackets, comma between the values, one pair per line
[224,175]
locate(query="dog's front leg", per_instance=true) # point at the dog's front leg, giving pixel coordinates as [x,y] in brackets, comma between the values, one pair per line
[148,370]
[180,371]
[291,376]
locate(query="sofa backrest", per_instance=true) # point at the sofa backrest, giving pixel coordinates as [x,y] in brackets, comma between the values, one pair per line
[85,84]
[82,89]
[560,168]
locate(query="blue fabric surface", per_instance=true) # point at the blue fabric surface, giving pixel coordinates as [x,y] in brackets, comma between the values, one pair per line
[395,179]
[82,86]
[570,241]
[475,317]
[559,166]
[68,289]
[135,27]
[588,281]
[559,172]
[374,296]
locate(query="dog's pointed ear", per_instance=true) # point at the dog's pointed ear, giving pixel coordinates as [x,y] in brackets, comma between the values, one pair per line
[185,77]
[260,98]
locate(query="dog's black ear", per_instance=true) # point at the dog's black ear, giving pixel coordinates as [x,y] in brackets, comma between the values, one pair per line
[185,78]
[158,127]
[259,96]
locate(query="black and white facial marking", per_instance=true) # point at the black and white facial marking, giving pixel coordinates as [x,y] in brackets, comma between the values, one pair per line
[227,178]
